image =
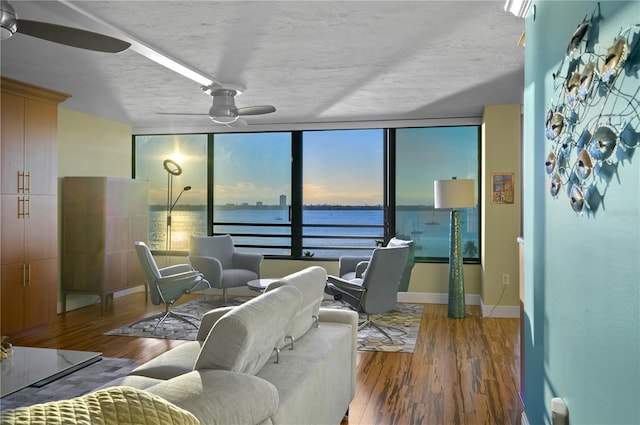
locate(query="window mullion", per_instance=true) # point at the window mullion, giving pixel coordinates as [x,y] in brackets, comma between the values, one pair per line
[296,194]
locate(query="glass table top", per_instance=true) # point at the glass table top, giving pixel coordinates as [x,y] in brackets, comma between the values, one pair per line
[30,366]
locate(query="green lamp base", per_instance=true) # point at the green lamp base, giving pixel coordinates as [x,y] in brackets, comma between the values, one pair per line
[457,308]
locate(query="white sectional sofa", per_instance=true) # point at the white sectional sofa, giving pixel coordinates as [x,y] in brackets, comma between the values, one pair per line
[277,359]
[234,374]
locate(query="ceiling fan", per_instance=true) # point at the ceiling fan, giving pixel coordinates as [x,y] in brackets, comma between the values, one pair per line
[10,24]
[224,110]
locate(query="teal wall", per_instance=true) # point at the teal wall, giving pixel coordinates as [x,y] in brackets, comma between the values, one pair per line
[582,270]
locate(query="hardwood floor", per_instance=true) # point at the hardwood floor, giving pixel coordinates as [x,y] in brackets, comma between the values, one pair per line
[463,371]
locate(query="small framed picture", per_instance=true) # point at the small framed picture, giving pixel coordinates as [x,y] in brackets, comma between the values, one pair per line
[502,188]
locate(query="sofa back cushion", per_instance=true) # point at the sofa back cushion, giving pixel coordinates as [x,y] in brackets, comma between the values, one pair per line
[311,282]
[244,339]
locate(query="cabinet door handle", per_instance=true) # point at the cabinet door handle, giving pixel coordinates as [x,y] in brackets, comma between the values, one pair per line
[20,207]
[20,181]
[29,274]
[27,207]
[24,275]
[27,187]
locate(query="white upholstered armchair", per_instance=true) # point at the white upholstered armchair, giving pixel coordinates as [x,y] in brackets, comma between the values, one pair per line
[223,266]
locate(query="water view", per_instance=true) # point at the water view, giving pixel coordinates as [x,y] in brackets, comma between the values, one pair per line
[271,230]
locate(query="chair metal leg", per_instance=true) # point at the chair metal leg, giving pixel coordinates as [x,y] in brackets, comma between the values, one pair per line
[146,319]
[369,322]
[224,295]
[165,315]
[185,318]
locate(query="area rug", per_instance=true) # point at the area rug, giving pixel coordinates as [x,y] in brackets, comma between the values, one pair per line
[406,317]
[174,328]
[80,382]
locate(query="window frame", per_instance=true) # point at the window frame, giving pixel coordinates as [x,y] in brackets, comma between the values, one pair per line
[389,187]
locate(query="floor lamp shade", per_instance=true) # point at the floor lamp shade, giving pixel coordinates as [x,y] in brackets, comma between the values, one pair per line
[455,194]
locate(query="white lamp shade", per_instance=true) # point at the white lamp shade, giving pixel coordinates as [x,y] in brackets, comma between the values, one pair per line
[455,193]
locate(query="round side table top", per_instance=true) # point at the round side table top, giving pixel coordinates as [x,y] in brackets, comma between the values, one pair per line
[260,284]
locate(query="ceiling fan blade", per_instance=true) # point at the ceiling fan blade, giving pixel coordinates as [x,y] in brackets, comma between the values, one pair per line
[72,36]
[256,110]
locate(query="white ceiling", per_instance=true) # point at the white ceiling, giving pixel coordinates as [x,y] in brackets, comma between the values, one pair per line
[316,61]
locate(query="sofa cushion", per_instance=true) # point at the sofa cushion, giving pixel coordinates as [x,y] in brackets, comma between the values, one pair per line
[311,282]
[114,405]
[317,375]
[177,361]
[244,339]
[221,397]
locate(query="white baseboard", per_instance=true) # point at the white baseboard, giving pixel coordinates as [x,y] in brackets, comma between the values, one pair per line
[433,298]
[500,311]
[129,291]
[473,299]
[76,301]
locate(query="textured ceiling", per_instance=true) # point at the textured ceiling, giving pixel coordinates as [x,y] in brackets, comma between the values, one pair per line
[316,61]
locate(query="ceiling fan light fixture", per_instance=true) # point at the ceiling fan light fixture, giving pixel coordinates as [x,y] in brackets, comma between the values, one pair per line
[224,120]
[8,20]
[223,110]
[222,116]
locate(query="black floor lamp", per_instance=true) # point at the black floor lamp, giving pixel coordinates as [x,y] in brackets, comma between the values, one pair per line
[173,169]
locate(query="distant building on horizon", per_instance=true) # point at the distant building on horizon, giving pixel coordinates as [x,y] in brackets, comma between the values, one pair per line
[283,201]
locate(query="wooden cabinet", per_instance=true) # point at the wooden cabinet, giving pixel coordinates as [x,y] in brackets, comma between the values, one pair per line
[29,205]
[102,218]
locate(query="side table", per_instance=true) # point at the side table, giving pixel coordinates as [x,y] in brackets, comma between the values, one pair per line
[260,285]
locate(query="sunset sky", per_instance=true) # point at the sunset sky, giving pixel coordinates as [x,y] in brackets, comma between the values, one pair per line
[340,167]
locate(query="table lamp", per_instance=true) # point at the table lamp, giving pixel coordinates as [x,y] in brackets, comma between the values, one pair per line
[455,194]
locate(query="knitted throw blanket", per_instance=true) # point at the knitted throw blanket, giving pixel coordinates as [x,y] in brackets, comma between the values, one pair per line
[114,405]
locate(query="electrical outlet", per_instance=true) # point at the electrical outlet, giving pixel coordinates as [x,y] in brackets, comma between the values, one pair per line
[505,278]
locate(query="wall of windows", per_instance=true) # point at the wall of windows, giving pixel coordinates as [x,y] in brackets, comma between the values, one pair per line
[321,193]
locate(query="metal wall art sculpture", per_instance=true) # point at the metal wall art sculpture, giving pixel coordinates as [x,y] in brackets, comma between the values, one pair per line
[593,123]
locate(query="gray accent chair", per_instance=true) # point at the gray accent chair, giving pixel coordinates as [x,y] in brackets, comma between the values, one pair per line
[168,284]
[352,266]
[376,290]
[224,267]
